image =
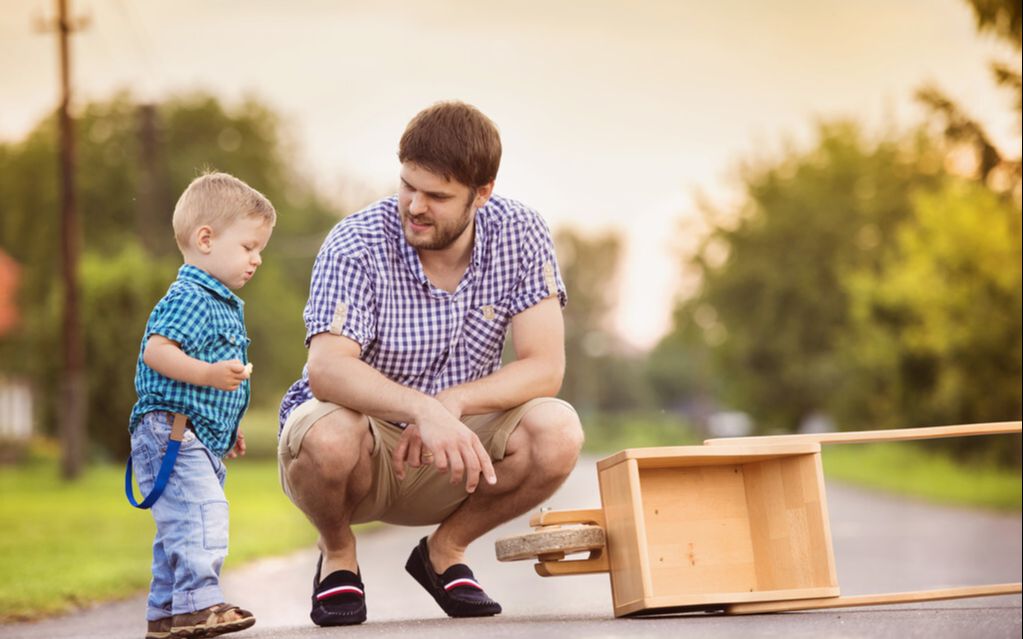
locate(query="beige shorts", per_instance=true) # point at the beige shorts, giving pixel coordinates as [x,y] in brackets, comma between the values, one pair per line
[425,496]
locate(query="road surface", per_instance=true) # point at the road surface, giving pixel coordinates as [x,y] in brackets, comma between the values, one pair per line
[882,544]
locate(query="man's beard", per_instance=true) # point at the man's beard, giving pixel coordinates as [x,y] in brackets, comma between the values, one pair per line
[444,236]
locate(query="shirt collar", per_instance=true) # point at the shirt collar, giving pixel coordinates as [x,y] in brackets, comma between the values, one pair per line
[190,273]
[411,257]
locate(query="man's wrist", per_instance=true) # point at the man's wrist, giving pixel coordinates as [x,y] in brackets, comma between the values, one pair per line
[453,399]
[424,408]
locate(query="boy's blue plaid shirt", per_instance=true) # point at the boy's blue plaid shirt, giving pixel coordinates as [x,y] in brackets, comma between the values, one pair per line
[202,315]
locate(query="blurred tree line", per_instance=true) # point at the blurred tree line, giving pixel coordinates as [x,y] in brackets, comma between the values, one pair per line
[872,280]
[876,282]
[134,160]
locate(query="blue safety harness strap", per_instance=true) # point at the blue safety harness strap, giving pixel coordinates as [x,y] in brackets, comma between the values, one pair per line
[177,434]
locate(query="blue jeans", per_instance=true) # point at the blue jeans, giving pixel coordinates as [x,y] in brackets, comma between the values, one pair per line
[191,519]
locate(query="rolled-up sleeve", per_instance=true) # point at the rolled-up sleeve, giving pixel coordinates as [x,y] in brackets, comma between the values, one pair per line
[182,316]
[341,299]
[539,276]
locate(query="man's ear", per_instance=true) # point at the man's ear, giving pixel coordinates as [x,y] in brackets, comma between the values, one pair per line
[203,237]
[483,194]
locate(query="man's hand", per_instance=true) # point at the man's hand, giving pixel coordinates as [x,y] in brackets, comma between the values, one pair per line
[227,375]
[449,443]
[239,445]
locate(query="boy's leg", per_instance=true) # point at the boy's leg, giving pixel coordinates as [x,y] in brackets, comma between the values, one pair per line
[192,522]
[146,458]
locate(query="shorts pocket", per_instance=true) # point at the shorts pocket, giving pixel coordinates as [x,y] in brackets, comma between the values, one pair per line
[214,525]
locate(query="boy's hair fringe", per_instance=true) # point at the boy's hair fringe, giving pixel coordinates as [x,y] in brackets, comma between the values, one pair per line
[217,200]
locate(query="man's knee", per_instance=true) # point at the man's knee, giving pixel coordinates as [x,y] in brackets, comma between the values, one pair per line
[333,446]
[554,434]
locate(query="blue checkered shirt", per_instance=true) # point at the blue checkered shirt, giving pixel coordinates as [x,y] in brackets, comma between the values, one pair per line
[369,285]
[202,315]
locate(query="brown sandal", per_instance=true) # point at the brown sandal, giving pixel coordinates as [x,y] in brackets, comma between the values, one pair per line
[159,629]
[211,622]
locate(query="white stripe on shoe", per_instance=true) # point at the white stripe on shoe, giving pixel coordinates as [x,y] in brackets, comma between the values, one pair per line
[330,592]
[464,581]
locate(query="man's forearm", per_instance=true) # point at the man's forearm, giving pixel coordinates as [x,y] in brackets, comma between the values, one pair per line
[509,386]
[354,384]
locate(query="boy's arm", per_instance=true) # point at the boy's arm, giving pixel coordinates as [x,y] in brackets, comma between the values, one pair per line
[166,357]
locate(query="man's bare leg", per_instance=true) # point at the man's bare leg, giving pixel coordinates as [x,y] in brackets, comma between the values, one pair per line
[540,454]
[330,477]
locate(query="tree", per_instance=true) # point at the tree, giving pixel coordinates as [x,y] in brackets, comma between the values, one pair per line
[598,376]
[936,330]
[1002,18]
[131,171]
[772,305]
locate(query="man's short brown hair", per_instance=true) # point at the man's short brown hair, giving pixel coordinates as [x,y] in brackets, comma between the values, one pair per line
[453,139]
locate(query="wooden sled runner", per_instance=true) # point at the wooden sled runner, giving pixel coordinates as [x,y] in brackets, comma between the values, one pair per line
[738,525]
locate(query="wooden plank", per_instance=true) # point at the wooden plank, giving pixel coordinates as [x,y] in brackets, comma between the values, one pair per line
[670,456]
[720,599]
[874,600]
[623,536]
[866,436]
[573,567]
[787,528]
[593,516]
[697,529]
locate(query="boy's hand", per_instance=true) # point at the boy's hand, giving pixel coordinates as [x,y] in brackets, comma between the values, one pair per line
[239,445]
[227,375]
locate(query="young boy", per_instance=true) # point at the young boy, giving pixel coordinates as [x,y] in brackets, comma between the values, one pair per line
[193,362]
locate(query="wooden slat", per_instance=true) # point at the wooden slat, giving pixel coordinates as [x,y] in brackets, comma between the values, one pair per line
[873,600]
[672,456]
[593,516]
[866,436]
[625,534]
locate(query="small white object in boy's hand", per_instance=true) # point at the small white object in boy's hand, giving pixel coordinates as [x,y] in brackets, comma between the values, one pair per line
[248,370]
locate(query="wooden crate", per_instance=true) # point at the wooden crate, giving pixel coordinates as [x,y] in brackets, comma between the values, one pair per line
[699,527]
[739,525]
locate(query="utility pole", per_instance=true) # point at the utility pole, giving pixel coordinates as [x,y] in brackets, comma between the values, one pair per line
[152,194]
[73,389]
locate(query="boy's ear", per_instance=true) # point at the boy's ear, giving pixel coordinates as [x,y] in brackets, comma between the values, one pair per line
[203,237]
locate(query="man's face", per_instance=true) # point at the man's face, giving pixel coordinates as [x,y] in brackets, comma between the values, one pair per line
[435,211]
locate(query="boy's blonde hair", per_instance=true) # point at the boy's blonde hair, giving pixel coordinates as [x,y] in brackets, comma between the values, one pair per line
[217,200]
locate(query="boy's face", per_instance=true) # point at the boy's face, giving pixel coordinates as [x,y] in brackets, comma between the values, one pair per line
[233,254]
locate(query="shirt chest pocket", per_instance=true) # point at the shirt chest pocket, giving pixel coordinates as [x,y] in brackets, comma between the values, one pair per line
[485,329]
[227,344]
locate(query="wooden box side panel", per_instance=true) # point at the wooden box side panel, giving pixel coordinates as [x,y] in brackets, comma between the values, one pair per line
[698,532]
[788,522]
[626,537]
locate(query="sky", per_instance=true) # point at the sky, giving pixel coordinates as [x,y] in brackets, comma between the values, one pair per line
[614,115]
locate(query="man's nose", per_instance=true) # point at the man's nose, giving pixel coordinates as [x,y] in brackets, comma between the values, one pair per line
[418,204]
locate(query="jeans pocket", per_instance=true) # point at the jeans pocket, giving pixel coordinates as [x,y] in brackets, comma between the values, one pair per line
[214,525]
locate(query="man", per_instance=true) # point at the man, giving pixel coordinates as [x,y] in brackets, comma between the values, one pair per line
[404,413]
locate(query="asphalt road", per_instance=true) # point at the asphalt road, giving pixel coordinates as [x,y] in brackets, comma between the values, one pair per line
[882,544]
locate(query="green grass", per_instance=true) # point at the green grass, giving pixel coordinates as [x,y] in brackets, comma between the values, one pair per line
[68,544]
[906,469]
